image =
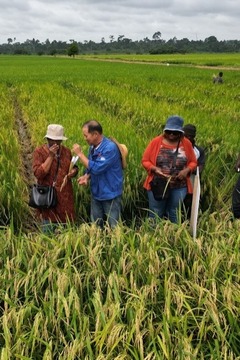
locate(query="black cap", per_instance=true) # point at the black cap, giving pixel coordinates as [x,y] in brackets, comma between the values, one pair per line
[190,130]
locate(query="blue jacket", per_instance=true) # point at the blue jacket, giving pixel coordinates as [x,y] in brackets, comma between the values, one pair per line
[105,168]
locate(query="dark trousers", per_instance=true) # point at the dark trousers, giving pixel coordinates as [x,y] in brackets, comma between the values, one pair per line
[236,200]
[187,206]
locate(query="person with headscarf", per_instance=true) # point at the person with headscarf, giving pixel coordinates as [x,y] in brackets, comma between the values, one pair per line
[190,133]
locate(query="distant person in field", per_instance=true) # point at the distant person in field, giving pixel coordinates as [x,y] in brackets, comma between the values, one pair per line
[218,79]
[190,133]
[169,156]
[51,162]
[236,193]
[104,171]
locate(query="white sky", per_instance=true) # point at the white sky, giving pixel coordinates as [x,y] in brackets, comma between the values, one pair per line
[135,19]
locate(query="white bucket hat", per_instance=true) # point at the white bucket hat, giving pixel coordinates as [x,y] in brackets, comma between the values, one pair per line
[55,132]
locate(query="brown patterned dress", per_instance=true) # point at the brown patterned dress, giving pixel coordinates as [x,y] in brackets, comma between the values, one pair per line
[64,210]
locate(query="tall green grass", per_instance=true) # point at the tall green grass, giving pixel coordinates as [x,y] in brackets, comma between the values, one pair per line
[136,292]
[13,191]
[126,294]
[132,101]
[206,59]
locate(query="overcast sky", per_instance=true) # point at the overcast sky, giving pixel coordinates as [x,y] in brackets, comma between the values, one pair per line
[135,19]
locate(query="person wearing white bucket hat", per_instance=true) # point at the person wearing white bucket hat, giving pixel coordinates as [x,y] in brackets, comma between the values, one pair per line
[51,164]
[55,132]
[104,169]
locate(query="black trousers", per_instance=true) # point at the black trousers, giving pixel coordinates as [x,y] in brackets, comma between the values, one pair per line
[236,200]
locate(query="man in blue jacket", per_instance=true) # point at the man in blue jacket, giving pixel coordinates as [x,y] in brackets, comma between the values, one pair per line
[104,170]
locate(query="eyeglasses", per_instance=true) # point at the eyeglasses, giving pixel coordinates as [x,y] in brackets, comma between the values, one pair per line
[189,136]
[168,132]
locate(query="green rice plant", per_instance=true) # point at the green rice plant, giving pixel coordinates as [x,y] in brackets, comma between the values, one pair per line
[132,102]
[73,128]
[210,59]
[127,294]
[13,191]
[137,292]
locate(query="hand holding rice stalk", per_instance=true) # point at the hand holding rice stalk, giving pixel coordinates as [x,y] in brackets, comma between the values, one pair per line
[168,181]
[71,172]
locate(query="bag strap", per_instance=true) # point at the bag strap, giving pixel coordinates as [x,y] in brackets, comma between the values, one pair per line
[55,177]
[175,155]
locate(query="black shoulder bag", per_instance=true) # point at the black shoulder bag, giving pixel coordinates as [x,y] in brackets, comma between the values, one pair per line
[160,184]
[44,196]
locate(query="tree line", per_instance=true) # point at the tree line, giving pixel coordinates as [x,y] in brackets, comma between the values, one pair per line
[121,44]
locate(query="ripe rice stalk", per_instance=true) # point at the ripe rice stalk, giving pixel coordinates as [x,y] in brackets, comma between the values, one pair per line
[135,292]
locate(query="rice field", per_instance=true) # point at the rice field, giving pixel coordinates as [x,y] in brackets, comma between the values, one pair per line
[135,292]
[208,60]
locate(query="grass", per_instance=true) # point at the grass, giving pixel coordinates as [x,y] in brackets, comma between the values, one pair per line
[136,292]
[211,59]
[127,294]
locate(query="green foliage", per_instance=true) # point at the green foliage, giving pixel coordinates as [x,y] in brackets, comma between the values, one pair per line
[125,45]
[204,59]
[13,190]
[73,49]
[135,292]
[126,294]
[132,102]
